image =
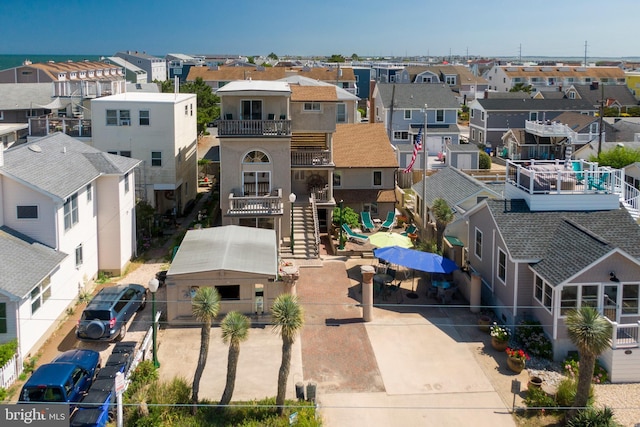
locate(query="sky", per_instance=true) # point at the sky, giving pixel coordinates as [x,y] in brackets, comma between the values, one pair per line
[373,28]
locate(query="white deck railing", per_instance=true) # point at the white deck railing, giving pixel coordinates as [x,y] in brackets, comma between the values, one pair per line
[625,335]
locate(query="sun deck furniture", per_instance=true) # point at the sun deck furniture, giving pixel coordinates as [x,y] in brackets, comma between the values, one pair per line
[600,184]
[410,230]
[577,167]
[353,236]
[367,223]
[391,219]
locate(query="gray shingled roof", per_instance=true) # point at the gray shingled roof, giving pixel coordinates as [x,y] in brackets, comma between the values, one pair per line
[620,93]
[536,236]
[60,165]
[529,104]
[450,184]
[30,262]
[22,96]
[414,96]
[572,251]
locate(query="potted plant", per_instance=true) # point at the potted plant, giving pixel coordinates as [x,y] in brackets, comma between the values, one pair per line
[500,337]
[534,382]
[516,359]
[484,323]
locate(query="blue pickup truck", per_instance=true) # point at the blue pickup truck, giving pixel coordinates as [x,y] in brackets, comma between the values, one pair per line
[65,380]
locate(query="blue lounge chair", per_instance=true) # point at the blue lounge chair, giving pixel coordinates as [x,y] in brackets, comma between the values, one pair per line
[353,236]
[600,184]
[410,230]
[367,224]
[577,167]
[391,219]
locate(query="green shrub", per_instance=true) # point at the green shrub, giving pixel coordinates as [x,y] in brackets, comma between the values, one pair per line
[7,351]
[349,217]
[566,393]
[594,417]
[3,394]
[538,398]
[531,336]
[484,162]
[145,373]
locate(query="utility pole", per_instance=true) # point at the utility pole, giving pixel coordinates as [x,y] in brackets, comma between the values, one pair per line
[600,118]
[424,171]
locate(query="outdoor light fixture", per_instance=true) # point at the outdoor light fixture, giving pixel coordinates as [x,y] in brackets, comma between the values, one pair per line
[613,277]
[153,287]
[292,199]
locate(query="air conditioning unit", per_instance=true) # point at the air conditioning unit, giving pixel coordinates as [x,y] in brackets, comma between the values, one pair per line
[125,122]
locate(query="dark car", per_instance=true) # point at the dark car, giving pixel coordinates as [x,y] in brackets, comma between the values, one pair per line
[106,316]
[65,380]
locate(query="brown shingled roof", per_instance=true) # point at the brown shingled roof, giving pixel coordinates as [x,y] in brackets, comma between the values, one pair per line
[563,71]
[228,74]
[313,93]
[359,145]
[329,74]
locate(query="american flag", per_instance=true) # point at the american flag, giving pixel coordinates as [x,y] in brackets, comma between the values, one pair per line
[417,146]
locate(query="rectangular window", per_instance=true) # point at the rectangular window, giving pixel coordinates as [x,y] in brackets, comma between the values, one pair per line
[341,116]
[89,190]
[439,116]
[480,137]
[125,117]
[126,182]
[71,211]
[3,317]
[539,289]
[502,265]
[473,134]
[191,109]
[311,106]
[144,117]
[630,299]
[112,117]
[377,178]
[229,292]
[407,114]
[337,179]
[482,116]
[548,296]
[125,153]
[186,110]
[589,296]
[27,212]
[40,294]
[401,135]
[472,112]
[478,246]
[79,255]
[568,299]
[533,116]
[156,158]
[450,80]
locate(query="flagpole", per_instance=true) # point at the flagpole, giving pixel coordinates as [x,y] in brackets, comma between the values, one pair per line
[424,171]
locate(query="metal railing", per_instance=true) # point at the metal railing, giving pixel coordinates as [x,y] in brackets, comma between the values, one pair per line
[311,158]
[48,125]
[316,224]
[254,127]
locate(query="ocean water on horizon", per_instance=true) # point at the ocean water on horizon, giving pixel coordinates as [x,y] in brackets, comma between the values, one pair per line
[10,61]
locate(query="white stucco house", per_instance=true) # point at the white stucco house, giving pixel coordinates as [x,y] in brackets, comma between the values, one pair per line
[67,211]
[161,130]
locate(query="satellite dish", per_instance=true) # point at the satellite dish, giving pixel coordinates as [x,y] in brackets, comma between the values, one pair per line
[35,148]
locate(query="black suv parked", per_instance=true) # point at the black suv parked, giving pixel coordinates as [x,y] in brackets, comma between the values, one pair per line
[106,316]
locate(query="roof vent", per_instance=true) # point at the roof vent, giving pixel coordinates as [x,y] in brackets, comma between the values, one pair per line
[35,148]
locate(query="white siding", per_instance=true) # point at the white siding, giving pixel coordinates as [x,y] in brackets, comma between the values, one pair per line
[622,367]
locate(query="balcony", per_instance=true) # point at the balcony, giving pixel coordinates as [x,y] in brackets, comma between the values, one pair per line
[555,185]
[551,129]
[261,128]
[624,335]
[73,127]
[311,158]
[268,205]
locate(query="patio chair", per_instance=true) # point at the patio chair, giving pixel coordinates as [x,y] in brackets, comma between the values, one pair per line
[388,223]
[600,184]
[367,223]
[411,229]
[446,295]
[353,236]
[395,290]
[577,167]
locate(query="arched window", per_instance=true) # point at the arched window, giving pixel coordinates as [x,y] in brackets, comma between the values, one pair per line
[256,156]
[256,173]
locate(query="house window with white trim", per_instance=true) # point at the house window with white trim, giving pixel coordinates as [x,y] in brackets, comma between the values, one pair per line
[482,116]
[71,211]
[568,299]
[478,245]
[341,113]
[40,294]
[630,293]
[439,116]
[407,114]
[377,178]
[3,317]
[311,106]
[543,293]
[126,182]
[450,80]
[472,113]
[144,118]
[156,158]
[89,190]
[337,179]
[502,265]
[401,135]
[533,116]
[79,259]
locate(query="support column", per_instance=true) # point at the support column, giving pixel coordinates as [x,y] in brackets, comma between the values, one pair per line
[367,292]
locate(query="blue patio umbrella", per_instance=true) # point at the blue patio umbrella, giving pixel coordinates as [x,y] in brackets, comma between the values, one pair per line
[417,260]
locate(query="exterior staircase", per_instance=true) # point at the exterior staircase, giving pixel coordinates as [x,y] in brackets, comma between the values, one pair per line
[305,237]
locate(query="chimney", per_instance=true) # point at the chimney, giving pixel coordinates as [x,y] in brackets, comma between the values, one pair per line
[486,94]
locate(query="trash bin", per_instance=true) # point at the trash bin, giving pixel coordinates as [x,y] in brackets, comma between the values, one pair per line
[311,391]
[300,391]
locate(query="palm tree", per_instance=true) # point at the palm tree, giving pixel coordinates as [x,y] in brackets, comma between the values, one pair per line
[591,334]
[288,318]
[443,215]
[205,307]
[235,329]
